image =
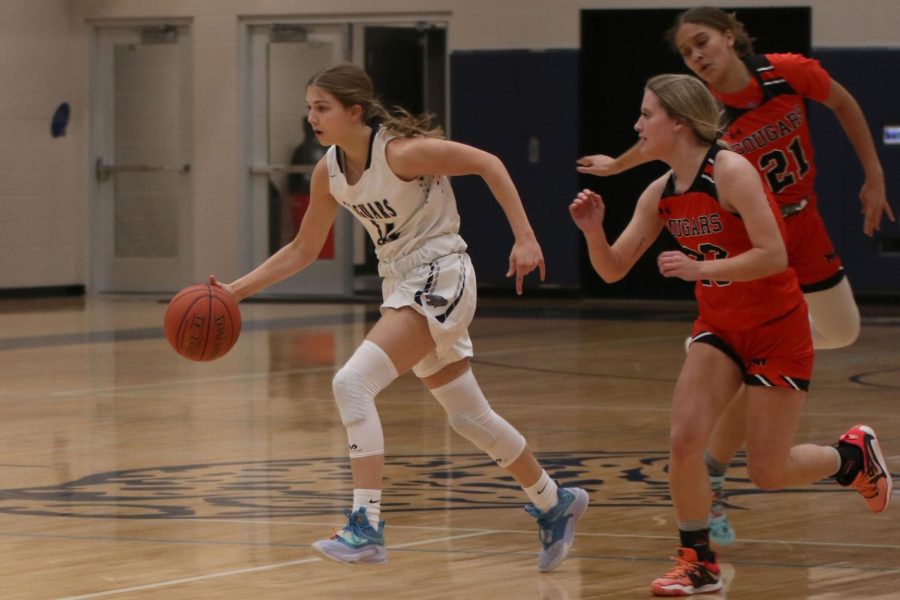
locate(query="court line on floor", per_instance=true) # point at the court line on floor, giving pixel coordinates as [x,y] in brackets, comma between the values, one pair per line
[162,584]
[470,533]
[139,390]
[579,534]
[466,532]
[274,374]
[406,547]
[170,583]
[197,381]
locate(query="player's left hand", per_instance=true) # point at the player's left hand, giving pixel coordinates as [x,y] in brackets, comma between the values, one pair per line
[874,205]
[674,263]
[526,256]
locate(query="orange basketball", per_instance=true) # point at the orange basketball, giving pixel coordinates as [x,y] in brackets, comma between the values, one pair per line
[202,322]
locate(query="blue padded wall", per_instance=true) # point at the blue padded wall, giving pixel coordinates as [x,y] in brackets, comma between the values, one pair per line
[869,263]
[522,106]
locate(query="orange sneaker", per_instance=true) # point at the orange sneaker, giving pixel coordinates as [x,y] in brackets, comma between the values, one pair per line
[690,576]
[874,480]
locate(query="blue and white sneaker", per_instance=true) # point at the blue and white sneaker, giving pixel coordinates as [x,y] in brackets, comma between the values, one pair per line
[556,528]
[358,542]
[720,530]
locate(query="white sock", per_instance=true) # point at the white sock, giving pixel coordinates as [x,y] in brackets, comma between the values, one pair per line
[837,460]
[543,493]
[371,499]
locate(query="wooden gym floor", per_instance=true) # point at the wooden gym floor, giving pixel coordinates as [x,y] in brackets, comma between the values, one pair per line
[129,472]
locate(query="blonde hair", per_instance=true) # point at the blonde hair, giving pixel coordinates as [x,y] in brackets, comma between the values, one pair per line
[717,19]
[350,85]
[685,98]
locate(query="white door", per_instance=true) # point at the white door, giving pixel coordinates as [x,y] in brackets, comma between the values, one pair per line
[140,120]
[282,151]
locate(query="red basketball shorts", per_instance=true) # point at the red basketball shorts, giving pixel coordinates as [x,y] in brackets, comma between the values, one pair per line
[775,354]
[810,251]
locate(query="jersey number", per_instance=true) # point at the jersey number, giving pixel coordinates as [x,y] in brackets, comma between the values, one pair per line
[707,251]
[776,167]
[385,234]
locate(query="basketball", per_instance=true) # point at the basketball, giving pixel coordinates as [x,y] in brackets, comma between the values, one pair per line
[202,322]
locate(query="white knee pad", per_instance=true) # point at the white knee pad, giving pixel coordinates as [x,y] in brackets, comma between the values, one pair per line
[471,416]
[355,386]
[491,433]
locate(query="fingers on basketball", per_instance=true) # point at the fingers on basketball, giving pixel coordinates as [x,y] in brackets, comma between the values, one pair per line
[202,322]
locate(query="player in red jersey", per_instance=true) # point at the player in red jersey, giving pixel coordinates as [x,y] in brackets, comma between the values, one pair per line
[752,332]
[764,98]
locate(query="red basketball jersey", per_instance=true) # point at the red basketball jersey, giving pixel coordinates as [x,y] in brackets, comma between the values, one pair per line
[767,122]
[708,232]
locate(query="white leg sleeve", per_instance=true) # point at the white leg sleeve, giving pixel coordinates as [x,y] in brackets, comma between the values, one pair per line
[472,417]
[355,386]
[833,317]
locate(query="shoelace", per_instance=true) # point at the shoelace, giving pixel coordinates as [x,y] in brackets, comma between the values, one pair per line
[681,569]
[545,531]
[718,526]
[354,526]
[545,524]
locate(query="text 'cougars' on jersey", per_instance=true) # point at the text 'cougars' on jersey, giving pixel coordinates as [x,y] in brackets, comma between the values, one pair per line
[766,134]
[373,210]
[694,226]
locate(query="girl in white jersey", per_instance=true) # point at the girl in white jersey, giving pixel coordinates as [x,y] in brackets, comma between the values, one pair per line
[391,172]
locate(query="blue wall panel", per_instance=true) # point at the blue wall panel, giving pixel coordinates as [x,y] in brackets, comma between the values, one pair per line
[523,107]
[871,76]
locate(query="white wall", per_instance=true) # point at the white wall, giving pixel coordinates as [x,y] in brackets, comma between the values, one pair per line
[481,24]
[835,23]
[42,198]
[44,50]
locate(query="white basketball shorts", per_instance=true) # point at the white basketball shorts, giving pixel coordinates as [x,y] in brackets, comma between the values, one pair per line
[444,292]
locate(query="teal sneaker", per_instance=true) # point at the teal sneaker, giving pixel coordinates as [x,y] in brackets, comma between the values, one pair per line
[720,530]
[358,542]
[556,528]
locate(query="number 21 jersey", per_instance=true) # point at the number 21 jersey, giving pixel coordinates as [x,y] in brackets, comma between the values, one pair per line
[768,122]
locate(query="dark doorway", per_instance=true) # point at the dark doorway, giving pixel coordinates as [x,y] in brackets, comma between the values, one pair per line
[407,66]
[408,69]
[620,50]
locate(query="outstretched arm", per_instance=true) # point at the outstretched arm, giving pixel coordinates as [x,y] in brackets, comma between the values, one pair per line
[603,166]
[415,156]
[872,195]
[300,252]
[613,262]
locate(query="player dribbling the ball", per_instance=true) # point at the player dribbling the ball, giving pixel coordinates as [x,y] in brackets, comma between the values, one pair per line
[390,171]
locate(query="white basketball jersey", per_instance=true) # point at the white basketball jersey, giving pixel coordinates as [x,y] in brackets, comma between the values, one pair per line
[400,216]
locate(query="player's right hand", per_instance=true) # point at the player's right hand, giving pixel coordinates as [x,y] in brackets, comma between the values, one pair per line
[225,286]
[597,164]
[588,210]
